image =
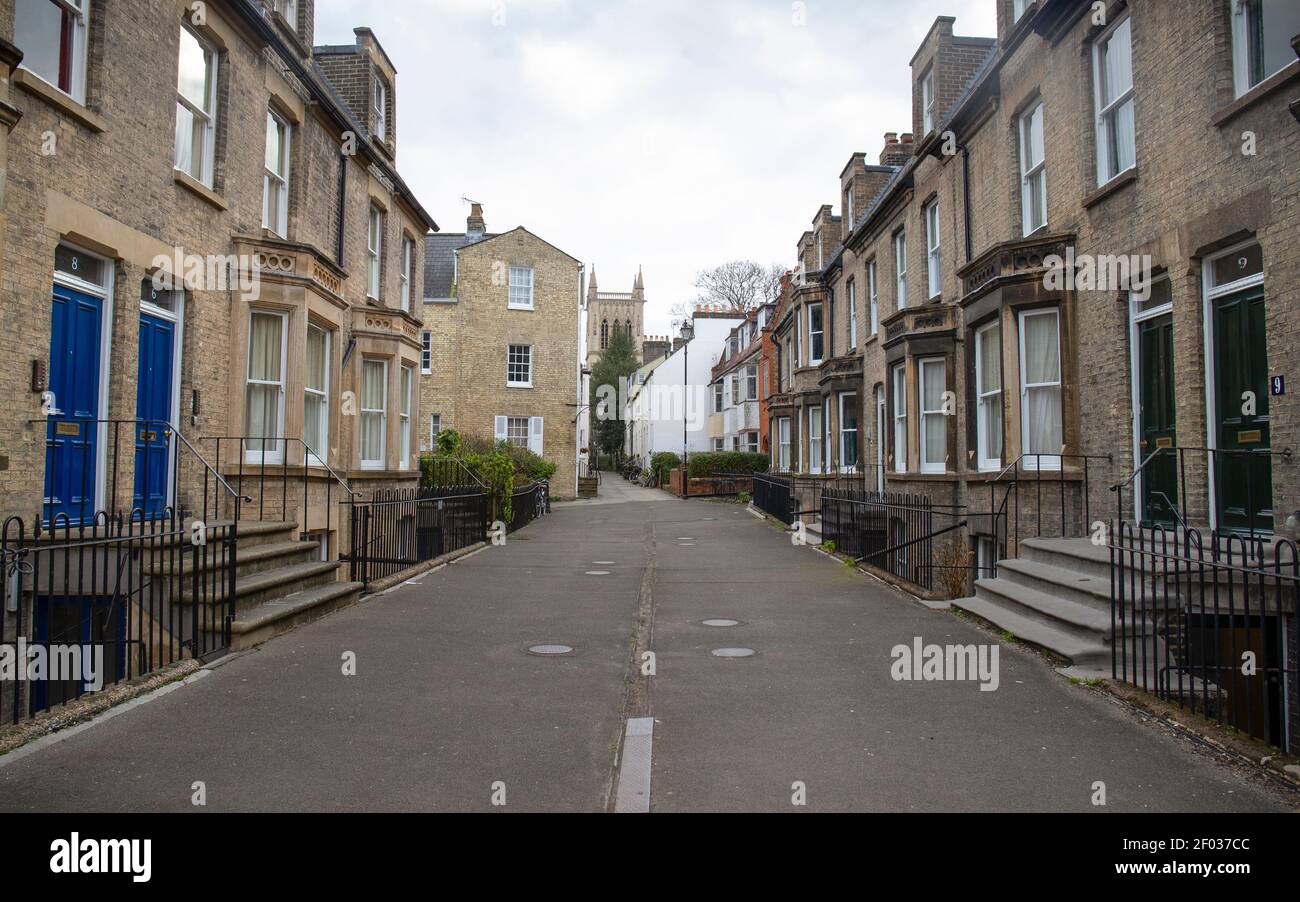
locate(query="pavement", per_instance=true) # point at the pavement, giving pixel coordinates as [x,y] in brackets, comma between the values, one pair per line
[449,711]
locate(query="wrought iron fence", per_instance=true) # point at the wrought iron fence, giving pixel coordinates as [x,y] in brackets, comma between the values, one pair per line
[529,503]
[894,532]
[399,528]
[1209,622]
[107,599]
[774,496]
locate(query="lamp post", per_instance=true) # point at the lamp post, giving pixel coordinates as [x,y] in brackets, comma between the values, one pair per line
[688,333]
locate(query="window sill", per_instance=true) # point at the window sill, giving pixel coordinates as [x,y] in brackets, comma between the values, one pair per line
[41,88]
[203,191]
[519,385]
[1278,79]
[1118,183]
[516,307]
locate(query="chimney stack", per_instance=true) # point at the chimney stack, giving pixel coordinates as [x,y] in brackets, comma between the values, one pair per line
[474,225]
[896,151]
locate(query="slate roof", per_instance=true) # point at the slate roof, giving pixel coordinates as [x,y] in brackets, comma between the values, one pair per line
[440,260]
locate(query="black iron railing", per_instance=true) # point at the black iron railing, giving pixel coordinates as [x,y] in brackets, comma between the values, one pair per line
[275,482]
[1241,478]
[1209,621]
[774,496]
[904,535]
[1043,496]
[397,529]
[110,598]
[527,503]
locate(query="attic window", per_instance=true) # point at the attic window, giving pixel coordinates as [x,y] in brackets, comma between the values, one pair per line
[288,10]
[379,101]
[927,101]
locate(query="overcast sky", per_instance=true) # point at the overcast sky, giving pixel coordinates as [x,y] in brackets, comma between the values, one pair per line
[671,134]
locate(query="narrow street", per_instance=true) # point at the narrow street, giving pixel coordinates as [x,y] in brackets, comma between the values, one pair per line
[447,700]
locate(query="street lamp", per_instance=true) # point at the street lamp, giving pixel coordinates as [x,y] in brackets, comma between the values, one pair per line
[688,333]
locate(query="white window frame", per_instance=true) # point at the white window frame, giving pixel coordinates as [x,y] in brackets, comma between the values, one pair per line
[848,208]
[288,10]
[984,395]
[718,403]
[844,433]
[1047,461]
[380,462]
[379,106]
[1242,77]
[816,449]
[813,358]
[426,353]
[79,10]
[928,413]
[900,270]
[1018,8]
[407,388]
[851,295]
[898,376]
[318,396]
[435,427]
[783,444]
[375,251]
[880,437]
[1033,173]
[751,382]
[518,288]
[933,272]
[514,383]
[1107,168]
[404,277]
[277,182]
[927,102]
[874,297]
[275,456]
[208,150]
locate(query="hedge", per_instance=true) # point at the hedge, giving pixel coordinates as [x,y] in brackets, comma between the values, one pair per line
[714,462]
[663,461]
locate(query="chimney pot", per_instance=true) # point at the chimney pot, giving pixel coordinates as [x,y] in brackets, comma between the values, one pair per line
[891,137]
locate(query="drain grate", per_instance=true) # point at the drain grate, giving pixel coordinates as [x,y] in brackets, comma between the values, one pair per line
[733,652]
[550,649]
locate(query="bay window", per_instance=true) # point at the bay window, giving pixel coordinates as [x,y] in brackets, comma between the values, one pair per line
[404,277]
[783,444]
[899,379]
[374,413]
[404,418]
[1041,433]
[196,107]
[988,396]
[934,417]
[1033,172]
[814,440]
[52,36]
[816,334]
[848,431]
[315,402]
[265,387]
[853,314]
[1112,76]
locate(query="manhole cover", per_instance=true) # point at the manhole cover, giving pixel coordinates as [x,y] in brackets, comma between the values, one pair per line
[598,573]
[733,652]
[686,538]
[550,649]
[720,622]
[685,544]
[603,563]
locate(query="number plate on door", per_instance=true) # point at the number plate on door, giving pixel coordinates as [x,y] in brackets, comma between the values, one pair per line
[1250,437]
[67,429]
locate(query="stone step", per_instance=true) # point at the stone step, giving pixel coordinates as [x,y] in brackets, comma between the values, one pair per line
[272,618]
[1072,554]
[1068,614]
[271,585]
[254,559]
[1076,647]
[1068,585]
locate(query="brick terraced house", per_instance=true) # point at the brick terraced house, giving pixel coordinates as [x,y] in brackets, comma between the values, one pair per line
[1072,283]
[209,267]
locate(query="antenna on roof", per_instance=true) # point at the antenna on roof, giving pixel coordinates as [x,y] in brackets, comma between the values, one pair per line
[468,201]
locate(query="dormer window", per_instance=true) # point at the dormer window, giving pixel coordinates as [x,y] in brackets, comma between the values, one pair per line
[379,101]
[927,101]
[288,10]
[1018,8]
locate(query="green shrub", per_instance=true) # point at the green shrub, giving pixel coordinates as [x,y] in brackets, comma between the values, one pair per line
[711,463]
[663,461]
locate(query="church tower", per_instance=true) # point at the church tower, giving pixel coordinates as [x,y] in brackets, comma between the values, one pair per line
[610,310]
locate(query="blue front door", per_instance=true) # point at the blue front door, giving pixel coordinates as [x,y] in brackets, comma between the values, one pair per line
[153,411]
[71,459]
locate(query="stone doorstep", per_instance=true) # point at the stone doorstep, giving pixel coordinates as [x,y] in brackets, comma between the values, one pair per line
[273,618]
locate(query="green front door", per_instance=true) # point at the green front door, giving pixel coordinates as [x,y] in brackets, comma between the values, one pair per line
[1156,432]
[1243,470]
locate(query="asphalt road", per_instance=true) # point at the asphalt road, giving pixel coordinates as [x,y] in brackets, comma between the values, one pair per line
[448,711]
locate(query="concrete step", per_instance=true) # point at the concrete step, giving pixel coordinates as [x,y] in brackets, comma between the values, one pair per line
[257,558]
[271,585]
[1077,648]
[272,618]
[1074,586]
[1072,554]
[1085,619]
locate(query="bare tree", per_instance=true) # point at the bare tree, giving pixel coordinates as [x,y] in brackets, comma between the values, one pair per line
[738,285]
